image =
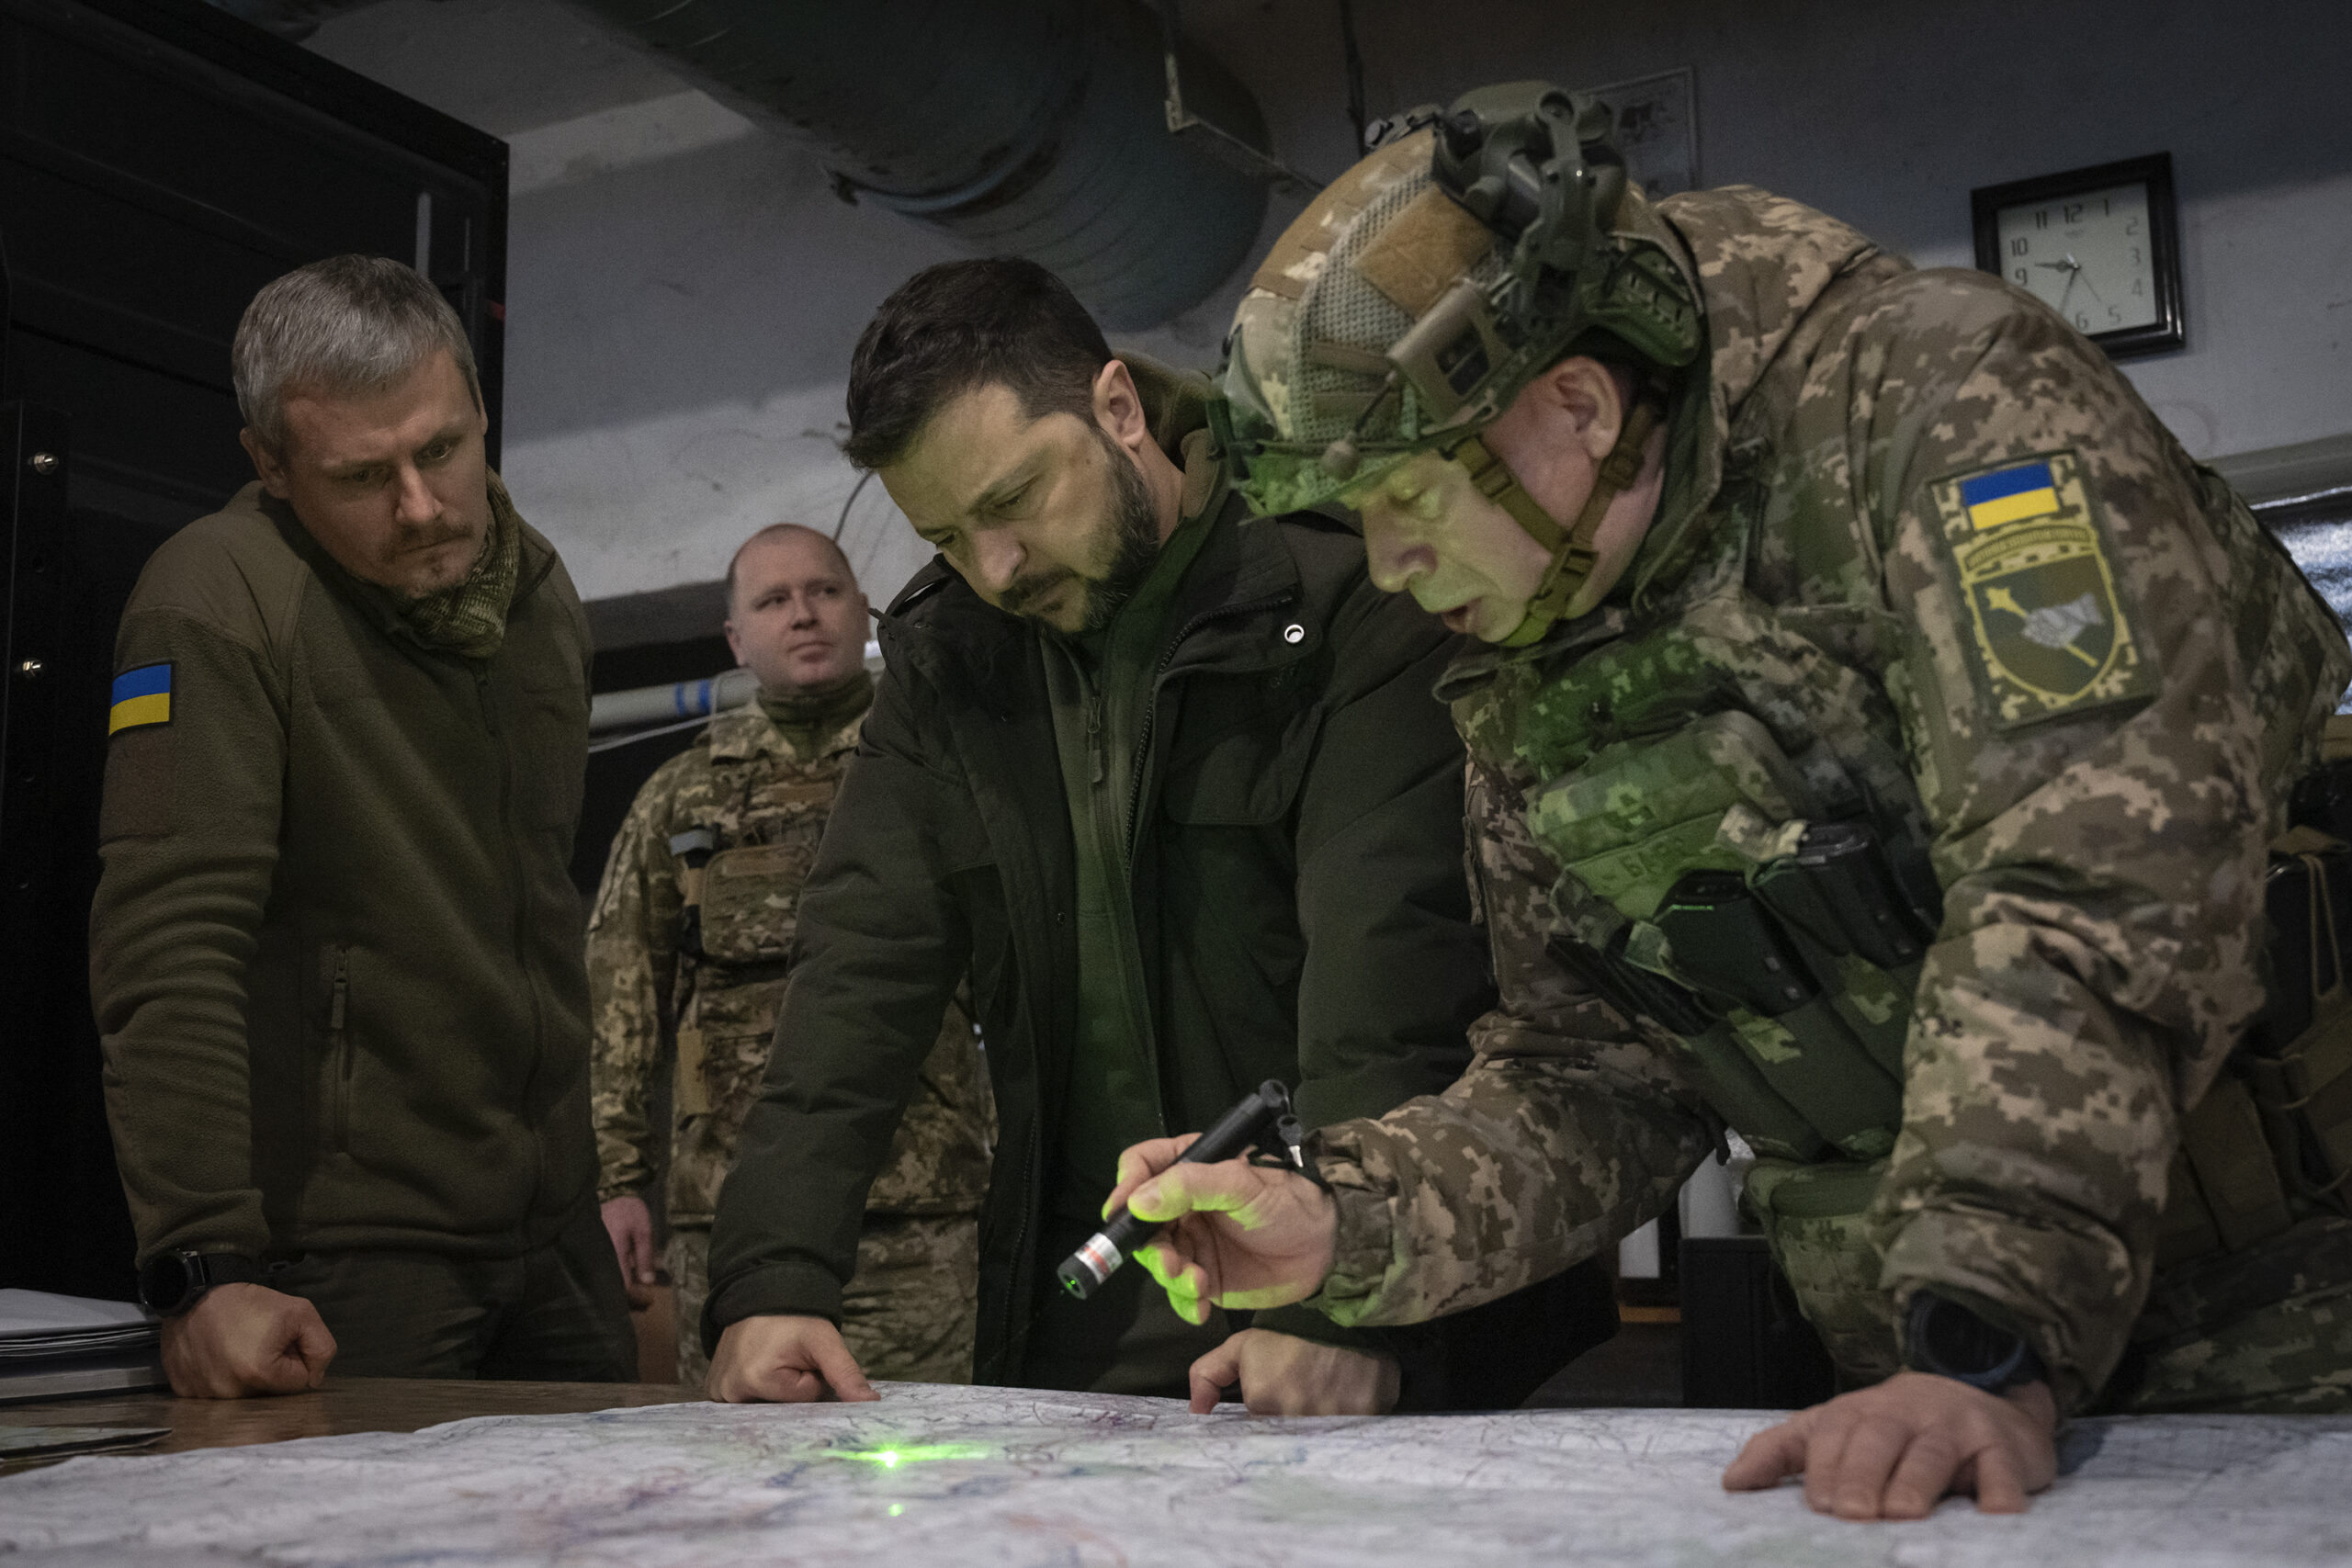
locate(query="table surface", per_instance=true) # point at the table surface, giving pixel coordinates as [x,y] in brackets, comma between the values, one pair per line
[343,1404]
[1011,1478]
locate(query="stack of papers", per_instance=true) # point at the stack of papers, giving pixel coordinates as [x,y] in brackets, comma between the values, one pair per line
[23,1446]
[53,1346]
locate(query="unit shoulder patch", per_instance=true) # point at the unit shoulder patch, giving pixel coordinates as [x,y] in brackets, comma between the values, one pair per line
[2052,628]
[142,696]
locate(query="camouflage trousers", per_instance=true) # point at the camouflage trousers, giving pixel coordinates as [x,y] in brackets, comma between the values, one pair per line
[908,1316]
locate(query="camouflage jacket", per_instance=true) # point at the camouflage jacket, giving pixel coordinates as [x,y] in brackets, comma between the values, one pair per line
[765,809]
[1833,556]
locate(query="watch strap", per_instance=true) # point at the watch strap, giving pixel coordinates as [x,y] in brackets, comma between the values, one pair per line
[228,1269]
[172,1283]
[1952,1340]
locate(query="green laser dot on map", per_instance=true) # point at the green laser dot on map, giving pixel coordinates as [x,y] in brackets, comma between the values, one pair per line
[1240,1129]
[909,1453]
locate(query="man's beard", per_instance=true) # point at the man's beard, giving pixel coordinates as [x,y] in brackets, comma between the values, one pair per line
[458,577]
[1135,534]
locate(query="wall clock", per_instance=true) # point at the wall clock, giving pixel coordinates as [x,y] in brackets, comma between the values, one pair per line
[2100,247]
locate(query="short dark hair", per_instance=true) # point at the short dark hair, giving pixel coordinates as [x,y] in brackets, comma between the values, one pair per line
[963,324]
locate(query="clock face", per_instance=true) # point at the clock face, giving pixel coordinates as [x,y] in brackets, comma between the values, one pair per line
[2089,255]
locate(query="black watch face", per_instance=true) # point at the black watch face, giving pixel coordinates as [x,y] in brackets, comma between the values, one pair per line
[1948,1339]
[1959,1339]
[165,1282]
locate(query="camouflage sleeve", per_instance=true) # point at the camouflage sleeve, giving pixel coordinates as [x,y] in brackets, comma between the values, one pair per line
[632,959]
[1568,1130]
[2099,836]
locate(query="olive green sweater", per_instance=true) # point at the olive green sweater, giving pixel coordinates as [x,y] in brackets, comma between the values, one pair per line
[335,954]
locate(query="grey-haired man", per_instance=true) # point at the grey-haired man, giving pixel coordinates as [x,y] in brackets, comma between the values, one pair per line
[335,954]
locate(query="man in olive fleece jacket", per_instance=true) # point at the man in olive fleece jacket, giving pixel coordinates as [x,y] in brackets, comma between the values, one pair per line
[335,954]
[1169,782]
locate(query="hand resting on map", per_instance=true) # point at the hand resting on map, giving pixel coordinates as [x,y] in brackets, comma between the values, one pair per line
[1895,1449]
[784,1361]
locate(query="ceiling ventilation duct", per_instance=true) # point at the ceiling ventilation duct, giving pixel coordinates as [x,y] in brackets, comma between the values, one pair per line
[1034,128]
[1046,129]
[294,19]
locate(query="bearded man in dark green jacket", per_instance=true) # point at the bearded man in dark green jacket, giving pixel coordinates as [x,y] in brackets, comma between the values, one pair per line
[1170,784]
[335,952]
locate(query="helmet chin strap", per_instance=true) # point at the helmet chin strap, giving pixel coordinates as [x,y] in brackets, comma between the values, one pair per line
[1573,557]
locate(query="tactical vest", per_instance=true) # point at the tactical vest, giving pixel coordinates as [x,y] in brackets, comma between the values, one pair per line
[741,893]
[1744,866]
[740,875]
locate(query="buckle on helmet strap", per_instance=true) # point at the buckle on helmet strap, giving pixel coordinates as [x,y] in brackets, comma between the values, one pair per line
[1496,482]
[1574,558]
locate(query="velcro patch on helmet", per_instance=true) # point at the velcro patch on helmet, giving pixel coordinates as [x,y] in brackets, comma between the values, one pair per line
[1424,252]
[1297,260]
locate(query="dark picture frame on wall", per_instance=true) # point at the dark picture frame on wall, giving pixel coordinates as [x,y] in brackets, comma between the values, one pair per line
[2100,245]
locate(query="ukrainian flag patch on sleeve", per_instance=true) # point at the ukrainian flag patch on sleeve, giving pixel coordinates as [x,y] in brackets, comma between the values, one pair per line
[2010,495]
[2052,629]
[142,698]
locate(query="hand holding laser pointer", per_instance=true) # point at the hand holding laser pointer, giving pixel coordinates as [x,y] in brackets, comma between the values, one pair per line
[1236,1235]
[1262,1120]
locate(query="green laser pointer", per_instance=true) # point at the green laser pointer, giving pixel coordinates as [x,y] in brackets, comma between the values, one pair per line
[1243,1127]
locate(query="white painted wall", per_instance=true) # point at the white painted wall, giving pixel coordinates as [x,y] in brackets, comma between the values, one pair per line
[684,290]
[1887,114]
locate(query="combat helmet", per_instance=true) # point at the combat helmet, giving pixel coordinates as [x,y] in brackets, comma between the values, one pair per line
[1405,309]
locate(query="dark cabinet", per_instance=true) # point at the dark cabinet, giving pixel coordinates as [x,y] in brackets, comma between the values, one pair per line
[160,161]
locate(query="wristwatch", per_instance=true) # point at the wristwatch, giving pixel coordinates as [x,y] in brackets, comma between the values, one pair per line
[1944,1337]
[171,1282]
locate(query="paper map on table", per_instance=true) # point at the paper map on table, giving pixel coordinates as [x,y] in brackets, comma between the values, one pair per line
[956,1478]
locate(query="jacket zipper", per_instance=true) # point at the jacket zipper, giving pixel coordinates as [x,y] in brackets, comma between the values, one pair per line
[500,736]
[339,1042]
[1151,708]
[1016,1340]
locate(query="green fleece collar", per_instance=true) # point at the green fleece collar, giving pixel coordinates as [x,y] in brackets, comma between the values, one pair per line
[817,722]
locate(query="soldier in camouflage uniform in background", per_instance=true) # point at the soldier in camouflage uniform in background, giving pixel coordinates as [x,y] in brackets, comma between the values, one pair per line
[689,942]
[1880,765]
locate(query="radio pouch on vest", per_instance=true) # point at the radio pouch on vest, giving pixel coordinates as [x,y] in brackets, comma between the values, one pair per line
[1801,1046]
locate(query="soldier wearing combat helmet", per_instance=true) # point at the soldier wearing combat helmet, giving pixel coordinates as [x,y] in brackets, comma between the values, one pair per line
[1883,730]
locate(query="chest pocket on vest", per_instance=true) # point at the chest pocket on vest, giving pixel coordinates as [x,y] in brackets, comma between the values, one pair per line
[750,898]
[1629,823]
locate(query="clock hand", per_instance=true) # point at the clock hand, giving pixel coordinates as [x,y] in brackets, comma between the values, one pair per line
[2056,266]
